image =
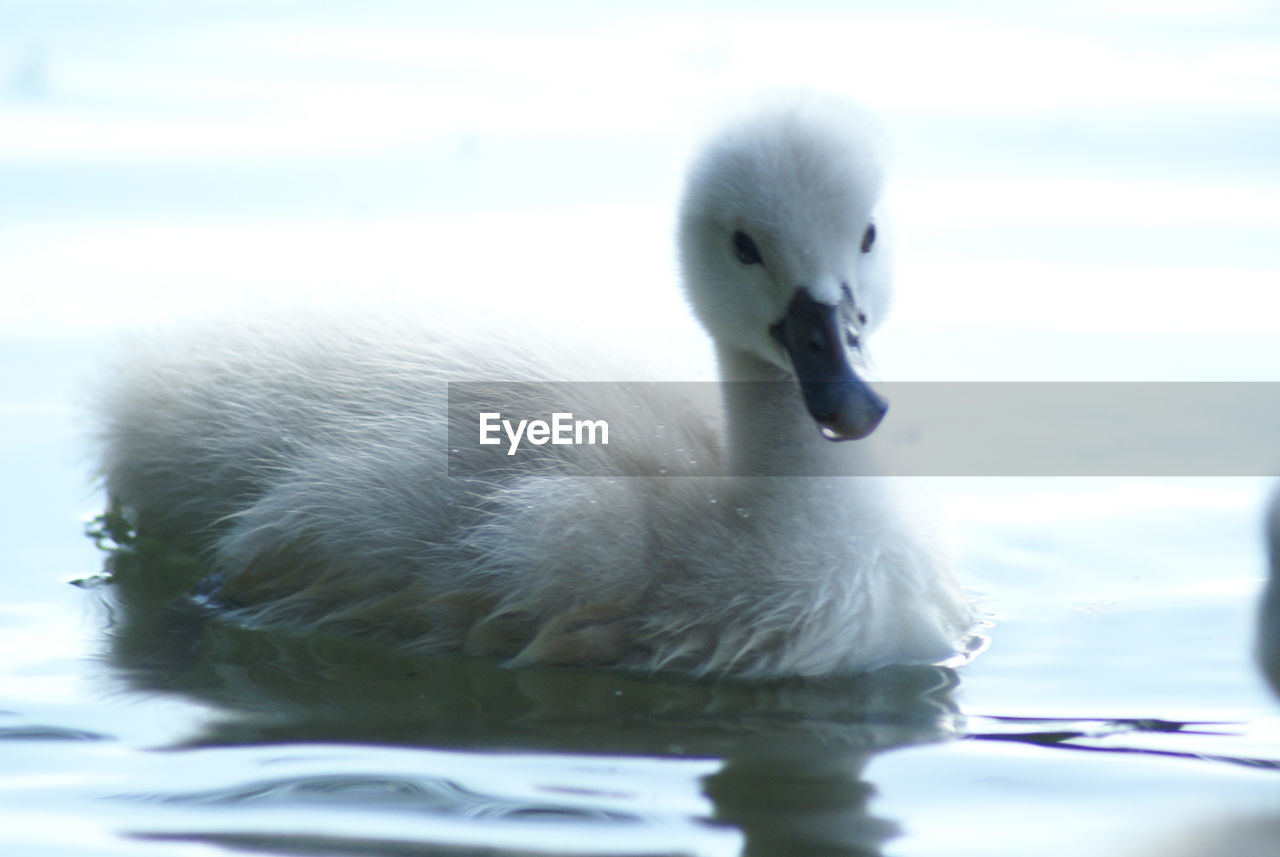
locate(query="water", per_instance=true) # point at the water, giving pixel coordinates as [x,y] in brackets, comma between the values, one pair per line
[1080,194]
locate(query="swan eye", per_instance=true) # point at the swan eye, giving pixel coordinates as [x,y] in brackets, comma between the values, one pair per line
[745,249]
[869,238]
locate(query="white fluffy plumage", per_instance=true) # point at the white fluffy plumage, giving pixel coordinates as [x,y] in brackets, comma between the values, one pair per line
[308,459]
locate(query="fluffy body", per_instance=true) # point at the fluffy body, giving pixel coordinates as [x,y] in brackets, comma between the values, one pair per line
[308,460]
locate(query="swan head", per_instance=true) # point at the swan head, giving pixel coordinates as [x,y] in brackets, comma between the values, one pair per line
[782,254]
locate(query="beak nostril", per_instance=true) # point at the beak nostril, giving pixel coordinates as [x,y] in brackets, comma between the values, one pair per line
[862,317]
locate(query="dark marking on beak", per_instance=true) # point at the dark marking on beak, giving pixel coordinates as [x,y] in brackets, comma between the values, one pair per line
[822,341]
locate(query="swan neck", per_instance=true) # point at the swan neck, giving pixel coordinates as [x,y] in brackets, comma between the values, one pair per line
[769,429]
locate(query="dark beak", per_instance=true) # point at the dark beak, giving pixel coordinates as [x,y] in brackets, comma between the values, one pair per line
[823,344]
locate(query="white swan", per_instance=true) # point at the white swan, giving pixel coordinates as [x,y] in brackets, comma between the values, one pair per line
[309,460]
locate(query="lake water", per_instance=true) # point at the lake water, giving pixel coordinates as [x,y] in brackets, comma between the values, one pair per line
[1083,194]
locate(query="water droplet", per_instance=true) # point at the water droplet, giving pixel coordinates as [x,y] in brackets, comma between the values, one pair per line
[712,498]
[830,433]
[743,513]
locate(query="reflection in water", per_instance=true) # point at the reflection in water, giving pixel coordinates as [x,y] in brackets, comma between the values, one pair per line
[791,753]
[814,807]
